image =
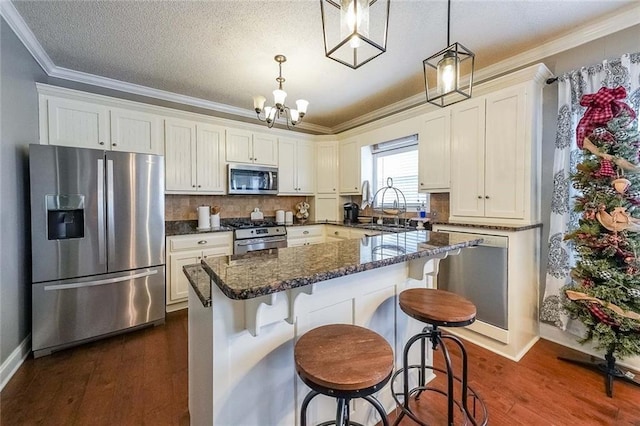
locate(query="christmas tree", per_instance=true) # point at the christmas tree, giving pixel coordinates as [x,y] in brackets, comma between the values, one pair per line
[605,290]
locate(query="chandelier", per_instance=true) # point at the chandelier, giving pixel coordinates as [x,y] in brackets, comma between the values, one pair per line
[279,110]
[448,75]
[355,31]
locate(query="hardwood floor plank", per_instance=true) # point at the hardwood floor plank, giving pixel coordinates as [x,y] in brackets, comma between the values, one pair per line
[141,378]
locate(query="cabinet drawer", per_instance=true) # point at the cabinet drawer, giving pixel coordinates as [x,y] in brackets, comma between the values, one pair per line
[304,231]
[200,241]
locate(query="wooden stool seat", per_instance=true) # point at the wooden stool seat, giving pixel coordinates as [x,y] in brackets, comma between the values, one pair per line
[437,307]
[343,357]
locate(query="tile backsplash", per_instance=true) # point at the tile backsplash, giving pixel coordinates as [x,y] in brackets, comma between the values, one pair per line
[184,207]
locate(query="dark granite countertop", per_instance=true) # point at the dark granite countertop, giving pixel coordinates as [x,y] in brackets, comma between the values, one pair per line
[495,227]
[187,227]
[270,271]
[200,282]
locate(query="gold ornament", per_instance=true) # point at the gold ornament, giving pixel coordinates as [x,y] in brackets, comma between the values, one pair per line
[617,220]
[620,162]
[621,185]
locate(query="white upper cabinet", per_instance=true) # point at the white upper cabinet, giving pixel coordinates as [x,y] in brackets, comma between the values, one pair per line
[349,164]
[134,131]
[296,167]
[248,147]
[327,167]
[434,152]
[194,158]
[494,152]
[76,123]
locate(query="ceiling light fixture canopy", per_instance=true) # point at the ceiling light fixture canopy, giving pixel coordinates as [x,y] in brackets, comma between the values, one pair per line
[448,75]
[279,109]
[355,31]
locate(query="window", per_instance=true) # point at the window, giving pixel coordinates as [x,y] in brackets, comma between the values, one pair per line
[397,159]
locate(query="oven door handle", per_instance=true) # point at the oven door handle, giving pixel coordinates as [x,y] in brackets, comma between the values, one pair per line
[253,242]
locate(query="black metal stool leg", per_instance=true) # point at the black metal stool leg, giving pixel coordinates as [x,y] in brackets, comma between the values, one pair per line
[342,413]
[379,408]
[447,360]
[305,404]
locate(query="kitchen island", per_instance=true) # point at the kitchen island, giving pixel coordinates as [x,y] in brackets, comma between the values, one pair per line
[246,312]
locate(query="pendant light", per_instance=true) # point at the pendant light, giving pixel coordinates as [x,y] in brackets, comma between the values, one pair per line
[355,31]
[448,75]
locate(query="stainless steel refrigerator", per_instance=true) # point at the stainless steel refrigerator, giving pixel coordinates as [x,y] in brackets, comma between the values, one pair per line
[97,243]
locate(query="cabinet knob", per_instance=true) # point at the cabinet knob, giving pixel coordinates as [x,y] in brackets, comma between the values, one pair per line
[199,186]
[421,184]
[355,187]
[193,186]
[486,196]
[479,197]
[305,232]
[199,258]
[101,143]
[335,233]
[334,189]
[202,242]
[114,144]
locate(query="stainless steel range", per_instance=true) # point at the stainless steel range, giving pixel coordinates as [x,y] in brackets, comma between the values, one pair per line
[251,235]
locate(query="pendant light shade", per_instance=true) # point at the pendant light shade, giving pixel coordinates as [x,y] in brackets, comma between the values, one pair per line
[448,74]
[355,31]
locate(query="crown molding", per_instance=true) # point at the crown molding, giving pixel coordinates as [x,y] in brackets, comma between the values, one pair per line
[623,19]
[20,28]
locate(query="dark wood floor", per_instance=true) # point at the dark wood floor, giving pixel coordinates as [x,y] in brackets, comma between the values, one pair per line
[141,378]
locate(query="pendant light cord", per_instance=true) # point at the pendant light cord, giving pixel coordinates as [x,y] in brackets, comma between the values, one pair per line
[449,23]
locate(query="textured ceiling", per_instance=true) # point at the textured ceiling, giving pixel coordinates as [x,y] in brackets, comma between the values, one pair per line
[222,51]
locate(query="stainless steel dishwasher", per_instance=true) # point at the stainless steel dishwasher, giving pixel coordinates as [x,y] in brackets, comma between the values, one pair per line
[480,275]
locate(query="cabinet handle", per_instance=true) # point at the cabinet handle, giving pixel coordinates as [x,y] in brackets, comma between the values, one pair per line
[202,242]
[486,196]
[305,232]
[101,143]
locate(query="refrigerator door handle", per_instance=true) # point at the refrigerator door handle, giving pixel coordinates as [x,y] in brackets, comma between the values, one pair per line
[100,282]
[101,223]
[111,242]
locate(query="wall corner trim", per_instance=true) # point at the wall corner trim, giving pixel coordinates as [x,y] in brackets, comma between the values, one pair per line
[14,361]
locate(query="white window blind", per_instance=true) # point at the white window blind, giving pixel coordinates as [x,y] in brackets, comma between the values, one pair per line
[397,159]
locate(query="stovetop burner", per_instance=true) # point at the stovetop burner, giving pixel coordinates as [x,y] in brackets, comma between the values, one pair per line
[243,223]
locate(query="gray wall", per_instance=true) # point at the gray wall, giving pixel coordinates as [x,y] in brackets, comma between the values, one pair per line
[18,128]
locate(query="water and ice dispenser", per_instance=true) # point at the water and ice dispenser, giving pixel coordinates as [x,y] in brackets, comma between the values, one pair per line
[65,216]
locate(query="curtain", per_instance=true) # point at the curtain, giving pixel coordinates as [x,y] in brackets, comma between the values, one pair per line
[624,71]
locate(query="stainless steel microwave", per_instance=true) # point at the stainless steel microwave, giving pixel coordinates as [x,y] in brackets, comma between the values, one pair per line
[249,179]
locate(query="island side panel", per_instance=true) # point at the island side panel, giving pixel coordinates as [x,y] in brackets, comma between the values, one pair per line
[200,361]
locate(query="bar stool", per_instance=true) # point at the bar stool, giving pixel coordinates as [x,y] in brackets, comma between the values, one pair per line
[437,308]
[345,362]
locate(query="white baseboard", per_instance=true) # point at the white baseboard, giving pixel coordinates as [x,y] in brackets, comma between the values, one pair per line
[14,361]
[569,340]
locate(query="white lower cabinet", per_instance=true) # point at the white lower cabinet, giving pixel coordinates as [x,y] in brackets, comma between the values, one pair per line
[336,233]
[186,250]
[305,235]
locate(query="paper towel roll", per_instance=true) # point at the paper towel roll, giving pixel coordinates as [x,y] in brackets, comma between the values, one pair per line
[203,217]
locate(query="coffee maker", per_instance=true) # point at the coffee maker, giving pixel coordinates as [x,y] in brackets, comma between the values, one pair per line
[351,211]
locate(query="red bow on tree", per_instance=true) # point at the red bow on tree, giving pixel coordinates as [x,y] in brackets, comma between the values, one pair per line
[601,107]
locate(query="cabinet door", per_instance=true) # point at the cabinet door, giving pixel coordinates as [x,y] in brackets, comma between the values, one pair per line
[265,149]
[305,167]
[350,168]
[287,166]
[326,207]
[327,167]
[178,288]
[239,146]
[434,153]
[210,165]
[134,131]
[78,124]
[217,251]
[505,155]
[180,155]
[467,158]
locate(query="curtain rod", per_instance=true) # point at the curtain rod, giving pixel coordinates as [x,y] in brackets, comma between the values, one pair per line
[552,80]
